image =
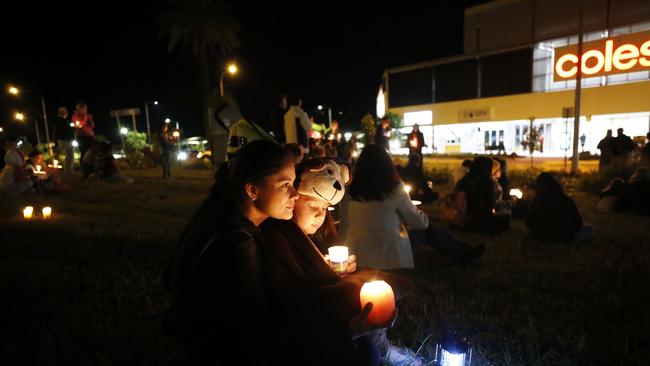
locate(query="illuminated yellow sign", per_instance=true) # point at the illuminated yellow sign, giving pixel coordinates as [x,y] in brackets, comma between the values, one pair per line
[617,55]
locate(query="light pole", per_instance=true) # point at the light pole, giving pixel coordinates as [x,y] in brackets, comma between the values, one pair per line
[15,91]
[21,117]
[232,70]
[146,114]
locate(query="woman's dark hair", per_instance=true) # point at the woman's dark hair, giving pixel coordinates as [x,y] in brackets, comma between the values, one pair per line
[34,153]
[481,167]
[253,163]
[546,186]
[375,176]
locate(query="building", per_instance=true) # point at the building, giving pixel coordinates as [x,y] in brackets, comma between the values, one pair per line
[518,70]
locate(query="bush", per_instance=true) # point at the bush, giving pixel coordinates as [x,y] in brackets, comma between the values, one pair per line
[137,151]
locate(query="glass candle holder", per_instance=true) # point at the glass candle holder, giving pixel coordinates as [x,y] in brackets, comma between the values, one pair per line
[338,257]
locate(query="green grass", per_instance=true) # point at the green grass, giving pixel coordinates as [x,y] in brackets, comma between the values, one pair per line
[85,288]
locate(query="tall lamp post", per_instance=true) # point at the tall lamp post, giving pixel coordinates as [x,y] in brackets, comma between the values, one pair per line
[232,70]
[329,114]
[15,91]
[146,114]
[21,117]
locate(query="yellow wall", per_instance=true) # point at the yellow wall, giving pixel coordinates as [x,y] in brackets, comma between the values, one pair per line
[611,99]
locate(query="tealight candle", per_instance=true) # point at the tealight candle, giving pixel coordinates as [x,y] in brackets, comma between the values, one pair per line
[517,193]
[381,295]
[407,188]
[28,212]
[331,208]
[47,213]
[338,257]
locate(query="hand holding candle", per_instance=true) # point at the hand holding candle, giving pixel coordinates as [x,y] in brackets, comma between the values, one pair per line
[381,295]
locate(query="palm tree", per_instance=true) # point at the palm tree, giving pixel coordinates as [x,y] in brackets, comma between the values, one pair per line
[204,27]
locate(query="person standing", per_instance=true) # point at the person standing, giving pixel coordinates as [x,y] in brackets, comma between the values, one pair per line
[63,135]
[416,141]
[166,144]
[85,128]
[297,125]
[277,118]
[605,146]
[382,136]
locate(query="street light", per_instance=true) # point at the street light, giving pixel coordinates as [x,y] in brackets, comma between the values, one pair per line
[329,113]
[15,91]
[232,70]
[168,120]
[21,117]
[146,114]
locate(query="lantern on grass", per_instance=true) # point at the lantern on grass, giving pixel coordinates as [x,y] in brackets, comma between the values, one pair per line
[28,212]
[47,213]
[454,350]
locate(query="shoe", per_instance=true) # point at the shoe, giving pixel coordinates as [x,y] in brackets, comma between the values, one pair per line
[402,357]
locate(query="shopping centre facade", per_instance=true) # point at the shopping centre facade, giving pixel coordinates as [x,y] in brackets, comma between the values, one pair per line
[519,65]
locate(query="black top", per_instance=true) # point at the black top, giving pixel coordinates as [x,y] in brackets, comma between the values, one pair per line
[553,218]
[62,130]
[217,290]
[277,124]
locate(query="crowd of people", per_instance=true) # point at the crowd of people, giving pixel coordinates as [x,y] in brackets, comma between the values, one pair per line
[26,172]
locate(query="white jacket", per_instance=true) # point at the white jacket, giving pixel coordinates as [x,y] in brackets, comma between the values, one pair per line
[290,123]
[374,230]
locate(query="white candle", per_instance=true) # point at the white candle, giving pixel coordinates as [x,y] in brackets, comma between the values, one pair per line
[407,189]
[416,202]
[381,295]
[47,213]
[331,208]
[339,257]
[516,192]
[28,212]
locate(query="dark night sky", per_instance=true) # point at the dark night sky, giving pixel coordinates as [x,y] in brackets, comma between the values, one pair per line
[110,56]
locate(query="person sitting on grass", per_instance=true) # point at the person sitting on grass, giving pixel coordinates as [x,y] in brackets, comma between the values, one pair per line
[421,185]
[553,215]
[373,222]
[300,278]
[14,180]
[104,167]
[632,195]
[46,179]
[458,173]
[480,191]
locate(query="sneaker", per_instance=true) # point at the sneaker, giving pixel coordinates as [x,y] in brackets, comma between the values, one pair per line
[402,357]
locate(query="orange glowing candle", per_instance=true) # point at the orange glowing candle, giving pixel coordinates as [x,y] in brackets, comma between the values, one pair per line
[28,212]
[47,213]
[381,295]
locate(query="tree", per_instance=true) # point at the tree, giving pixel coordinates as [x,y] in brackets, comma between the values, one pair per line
[205,27]
[369,128]
[533,140]
[395,120]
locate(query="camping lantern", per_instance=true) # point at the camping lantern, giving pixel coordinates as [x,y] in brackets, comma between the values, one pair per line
[454,350]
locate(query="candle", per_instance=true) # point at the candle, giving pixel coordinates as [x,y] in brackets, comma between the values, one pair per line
[407,189]
[416,202]
[339,257]
[47,213]
[27,212]
[331,208]
[380,294]
[516,192]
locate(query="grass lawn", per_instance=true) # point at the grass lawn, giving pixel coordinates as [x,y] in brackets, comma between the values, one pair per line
[85,288]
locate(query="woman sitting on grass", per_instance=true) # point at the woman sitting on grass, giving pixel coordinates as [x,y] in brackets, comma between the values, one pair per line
[552,215]
[14,180]
[373,224]
[101,164]
[481,197]
[301,280]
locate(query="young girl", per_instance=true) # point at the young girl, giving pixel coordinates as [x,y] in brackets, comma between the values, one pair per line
[14,180]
